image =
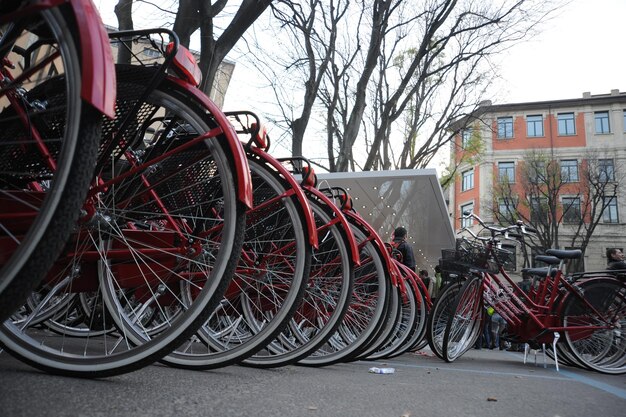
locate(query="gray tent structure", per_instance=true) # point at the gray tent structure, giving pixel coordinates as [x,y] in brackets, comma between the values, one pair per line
[411,198]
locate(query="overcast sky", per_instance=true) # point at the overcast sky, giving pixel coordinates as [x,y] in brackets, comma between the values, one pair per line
[580,49]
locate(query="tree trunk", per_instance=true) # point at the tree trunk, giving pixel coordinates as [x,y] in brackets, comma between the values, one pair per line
[124,13]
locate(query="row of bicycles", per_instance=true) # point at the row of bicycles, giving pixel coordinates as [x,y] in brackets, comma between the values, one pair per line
[140,223]
[582,315]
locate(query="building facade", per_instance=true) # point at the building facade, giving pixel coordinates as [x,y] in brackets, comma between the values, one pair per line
[561,160]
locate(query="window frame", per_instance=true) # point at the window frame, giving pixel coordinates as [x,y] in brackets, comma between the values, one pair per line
[536,204]
[503,124]
[568,167]
[151,52]
[466,222]
[507,169]
[610,174]
[597,119]
[608,210]
[561,117]
[569,219]
[466,137]
[510,209]
[537,171]
[536,124]
[469,177]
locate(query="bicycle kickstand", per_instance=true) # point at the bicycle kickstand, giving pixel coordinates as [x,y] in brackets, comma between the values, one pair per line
[556,359]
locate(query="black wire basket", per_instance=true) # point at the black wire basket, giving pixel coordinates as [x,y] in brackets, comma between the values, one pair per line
[467,256]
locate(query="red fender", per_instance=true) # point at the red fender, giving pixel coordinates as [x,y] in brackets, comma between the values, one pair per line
[410,275]
[98,69]
[299,193]
[242,170]
[98,83]
[352,244]
[393,270]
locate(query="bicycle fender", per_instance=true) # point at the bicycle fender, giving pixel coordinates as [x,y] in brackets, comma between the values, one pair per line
[98,81]
[242,170]
[354,249]
[297,189]
[391,268]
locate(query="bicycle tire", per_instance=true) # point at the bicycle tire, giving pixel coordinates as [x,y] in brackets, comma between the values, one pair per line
[267,288]
[51,108]
[417,332]
[200,198]
[438,317]
[464,323]
[402,329]
[366,313]
[602,350]
[325,301]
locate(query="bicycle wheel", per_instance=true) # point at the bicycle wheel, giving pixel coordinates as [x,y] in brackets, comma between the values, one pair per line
[366,313]
[325,300]
[418,340]
[603,348]
[417,333]
[402,327]
[269,281]
[438,317]
[48,142]
[151,234]
[464,323]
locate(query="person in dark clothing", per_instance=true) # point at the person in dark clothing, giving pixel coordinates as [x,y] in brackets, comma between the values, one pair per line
[401,245]
[423,274]
[615,259]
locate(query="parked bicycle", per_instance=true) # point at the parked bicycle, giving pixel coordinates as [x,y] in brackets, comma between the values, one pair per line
[585,313]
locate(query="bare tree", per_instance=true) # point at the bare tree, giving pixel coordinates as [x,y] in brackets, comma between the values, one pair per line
[564,205]
[214,45]
[313,28]
[437,80]
[124,12]
[217,39]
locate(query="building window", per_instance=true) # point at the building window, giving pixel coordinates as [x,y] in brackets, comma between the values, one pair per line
[566,124]
[534,126]
[606,170]
[536,172]
[507,209]
[569,170]
[152,53]
[506,171]
[571,209]
[624,124]
[538,210]
[468,180]
[505,127]
[467,221]
[610,214]
[466,137]
[602,122]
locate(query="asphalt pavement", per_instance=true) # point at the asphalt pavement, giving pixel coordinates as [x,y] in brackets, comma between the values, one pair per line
[482,383]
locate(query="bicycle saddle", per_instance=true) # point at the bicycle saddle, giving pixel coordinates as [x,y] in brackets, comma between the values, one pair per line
[550,260]
[565,254]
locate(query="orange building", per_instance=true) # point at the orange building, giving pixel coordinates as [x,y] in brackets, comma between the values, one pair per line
[573,133]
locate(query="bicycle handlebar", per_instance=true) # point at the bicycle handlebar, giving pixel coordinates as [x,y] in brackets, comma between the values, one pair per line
[508,231]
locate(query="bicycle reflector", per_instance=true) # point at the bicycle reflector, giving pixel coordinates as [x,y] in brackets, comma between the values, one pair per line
[259,136]
[308,177]
[346,202]
[185,65]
